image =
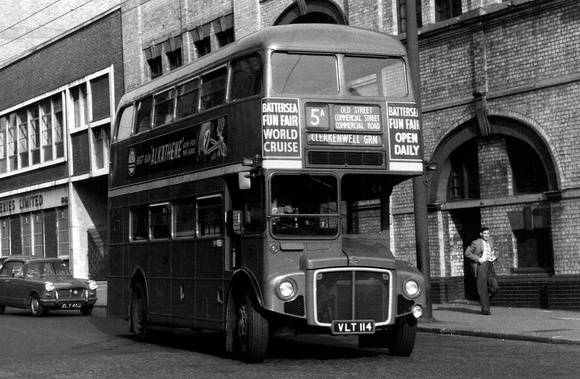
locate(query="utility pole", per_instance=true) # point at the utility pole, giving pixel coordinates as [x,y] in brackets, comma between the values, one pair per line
[419,188]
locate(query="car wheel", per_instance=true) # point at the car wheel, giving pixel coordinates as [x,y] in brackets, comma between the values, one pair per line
[2,309]
[251,330]
[86,310]
[402,338]
[36,308]
[139,313]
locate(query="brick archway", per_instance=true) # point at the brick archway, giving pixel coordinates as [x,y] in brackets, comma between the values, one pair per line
[313,11]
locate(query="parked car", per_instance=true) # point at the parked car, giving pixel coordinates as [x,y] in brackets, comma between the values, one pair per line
[43,284]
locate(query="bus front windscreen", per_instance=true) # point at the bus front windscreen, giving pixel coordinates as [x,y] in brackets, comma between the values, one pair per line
[304,73]
[304,205]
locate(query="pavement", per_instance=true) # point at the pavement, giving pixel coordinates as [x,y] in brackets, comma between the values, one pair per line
[463,317]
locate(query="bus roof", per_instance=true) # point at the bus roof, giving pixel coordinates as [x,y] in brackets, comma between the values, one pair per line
[328,38]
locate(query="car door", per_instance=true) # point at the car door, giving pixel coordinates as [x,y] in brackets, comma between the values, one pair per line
[4,278]
[14,286]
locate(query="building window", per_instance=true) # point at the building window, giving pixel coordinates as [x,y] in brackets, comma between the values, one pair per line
[464,176]
[62,227]
[226,37]
[446,9]
[403,15]
[22,118]
[58,126]
[37,234]
[155,67]
[100,98]
[80,109]
[528,170]
[531,228]
[203,46]
[100,144]
[223,28]
[174,59]
[4,236]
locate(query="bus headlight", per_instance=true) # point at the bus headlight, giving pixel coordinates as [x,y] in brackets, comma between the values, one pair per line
[286,289]
[411,288]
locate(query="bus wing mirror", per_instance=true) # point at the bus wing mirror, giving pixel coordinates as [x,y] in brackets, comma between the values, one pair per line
[245,180]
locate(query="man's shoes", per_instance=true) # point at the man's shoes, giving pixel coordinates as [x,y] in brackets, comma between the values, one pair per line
[487,313]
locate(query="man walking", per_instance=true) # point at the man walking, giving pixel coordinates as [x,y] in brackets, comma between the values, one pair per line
[483,257]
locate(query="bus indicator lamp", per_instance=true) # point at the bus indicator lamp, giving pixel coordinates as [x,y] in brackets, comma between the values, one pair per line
[417,311]
[286,289]
[274,249]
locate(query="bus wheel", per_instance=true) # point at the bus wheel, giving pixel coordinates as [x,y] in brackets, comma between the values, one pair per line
[36,308]
[139,313]
[251,331]
[2,308]
[403,334]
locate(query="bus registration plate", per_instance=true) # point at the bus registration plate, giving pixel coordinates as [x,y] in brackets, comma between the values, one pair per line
[353,327]
[71,306]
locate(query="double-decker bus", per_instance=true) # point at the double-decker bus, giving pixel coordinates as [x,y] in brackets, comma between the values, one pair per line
[249,192]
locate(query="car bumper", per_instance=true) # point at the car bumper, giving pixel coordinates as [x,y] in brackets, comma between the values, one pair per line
[68,304]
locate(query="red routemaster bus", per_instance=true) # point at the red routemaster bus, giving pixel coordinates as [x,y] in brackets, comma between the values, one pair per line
[249,192]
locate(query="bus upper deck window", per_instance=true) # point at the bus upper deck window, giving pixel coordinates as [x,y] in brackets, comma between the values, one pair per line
[144,108]
[164,107]
[187,99]
[213,89]
[247,77]
[304,73]
[125,124]
[368,76]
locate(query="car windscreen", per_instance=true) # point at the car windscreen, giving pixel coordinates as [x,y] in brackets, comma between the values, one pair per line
[42,269]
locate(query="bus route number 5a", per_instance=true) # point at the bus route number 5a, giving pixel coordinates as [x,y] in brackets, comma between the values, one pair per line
[317,116]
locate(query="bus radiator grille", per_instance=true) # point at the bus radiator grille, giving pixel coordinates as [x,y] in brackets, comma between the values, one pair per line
[295,307]
[352,295]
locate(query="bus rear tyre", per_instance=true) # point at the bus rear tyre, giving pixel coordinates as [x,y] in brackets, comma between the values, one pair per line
[139,313]
[403,334]
[251,331]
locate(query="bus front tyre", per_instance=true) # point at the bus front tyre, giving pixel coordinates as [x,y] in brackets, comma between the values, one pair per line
[139,313]
[251,331]
[402,337]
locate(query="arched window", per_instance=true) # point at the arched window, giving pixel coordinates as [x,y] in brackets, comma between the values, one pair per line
[464,175]
[312,12]
[529,175]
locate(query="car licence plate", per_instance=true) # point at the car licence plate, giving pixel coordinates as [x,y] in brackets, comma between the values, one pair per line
[353,327]
[71,306]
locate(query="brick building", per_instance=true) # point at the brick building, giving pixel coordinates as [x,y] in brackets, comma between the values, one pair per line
[499,83]
[56,106]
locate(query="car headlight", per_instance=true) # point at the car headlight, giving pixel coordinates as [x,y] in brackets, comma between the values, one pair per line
[48,286]
[411,288]
[93,285]
[286,289]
